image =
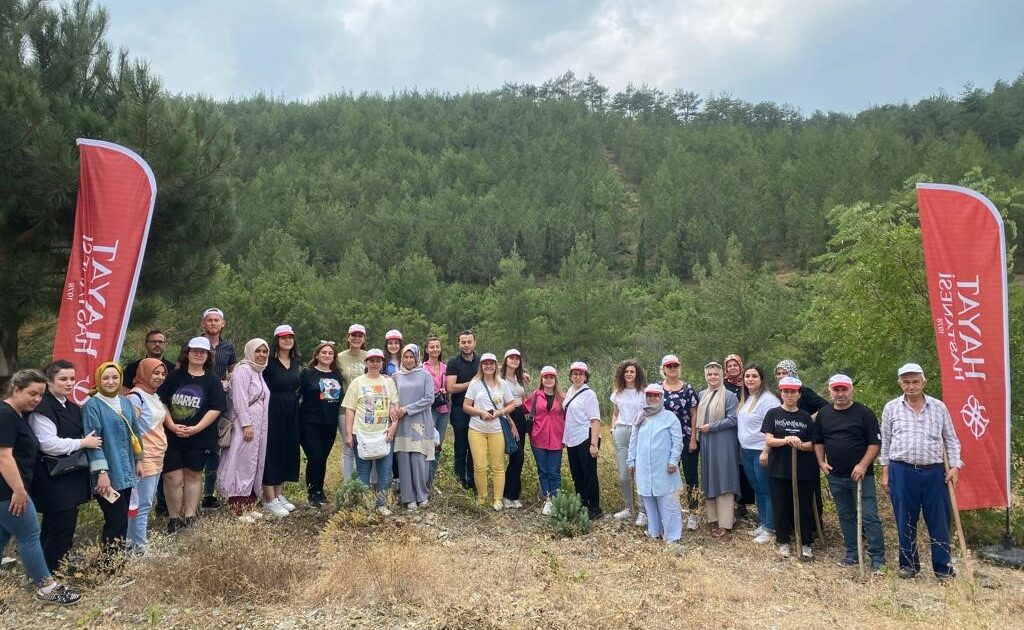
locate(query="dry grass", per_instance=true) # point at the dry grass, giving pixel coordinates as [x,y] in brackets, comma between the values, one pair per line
[456,566]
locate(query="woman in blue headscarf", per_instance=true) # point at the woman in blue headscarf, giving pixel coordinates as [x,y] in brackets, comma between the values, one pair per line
[414,438]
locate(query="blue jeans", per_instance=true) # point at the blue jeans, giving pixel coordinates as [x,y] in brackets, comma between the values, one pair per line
[441,424]
[757,475]
[138,525]
[25,529]
[549,469]
[383,465]
[844,493]
[913,491]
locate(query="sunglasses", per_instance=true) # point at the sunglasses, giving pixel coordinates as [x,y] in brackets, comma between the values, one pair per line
[325,342]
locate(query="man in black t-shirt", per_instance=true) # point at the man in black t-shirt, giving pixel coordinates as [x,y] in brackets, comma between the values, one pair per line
[156,343]
[459,372]
[846,442]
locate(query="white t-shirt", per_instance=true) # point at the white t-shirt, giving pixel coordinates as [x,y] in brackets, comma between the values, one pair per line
[630,403]
[582,409]
[749,418]
[477,396]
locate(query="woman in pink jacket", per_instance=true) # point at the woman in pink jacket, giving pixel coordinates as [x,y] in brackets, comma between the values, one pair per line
[240,474]
[545,405]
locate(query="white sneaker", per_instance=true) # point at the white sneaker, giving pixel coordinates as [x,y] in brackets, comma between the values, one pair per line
[806,552]
[246,518]
[497,505]
[424,502]
[411,506]
[255,514]
[784,550]
[383,510]
[757,532]
[692,522]
[762,538]
[623,515]
[547,509]
[506,504]
[288,505]
[276,509]
[641,519]
[517,504]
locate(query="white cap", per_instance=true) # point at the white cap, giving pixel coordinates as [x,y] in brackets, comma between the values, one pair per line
[512,352]
[282,330]
[356,328]
[654,388]
[840,379]
[790,382]
[910,368]
[375,353]
[199,343]
[488,356]
[391,334]
[670,359]
[213,311]
[548,370]
[579,365]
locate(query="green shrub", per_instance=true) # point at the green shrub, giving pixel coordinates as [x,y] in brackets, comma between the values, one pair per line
[568,517]
[353,495]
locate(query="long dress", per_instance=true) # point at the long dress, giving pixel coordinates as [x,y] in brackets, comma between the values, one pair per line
[720,451]
[240,472]
[283,422]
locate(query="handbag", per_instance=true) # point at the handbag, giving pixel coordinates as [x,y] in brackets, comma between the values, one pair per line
[226,423]
[373,445]
[57,465]
[511,444]
[441,397]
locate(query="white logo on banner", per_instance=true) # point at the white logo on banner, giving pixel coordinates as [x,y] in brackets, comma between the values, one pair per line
[973,415]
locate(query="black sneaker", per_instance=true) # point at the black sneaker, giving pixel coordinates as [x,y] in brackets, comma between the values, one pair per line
[944,577]
[59,595]
[315,501]
[174,525]
[161,509]
[906,573]
[848,562]
[211,502]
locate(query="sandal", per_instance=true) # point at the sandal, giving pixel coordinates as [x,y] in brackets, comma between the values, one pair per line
[719,532]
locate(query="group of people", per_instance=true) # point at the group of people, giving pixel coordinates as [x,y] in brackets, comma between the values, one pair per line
[150,433]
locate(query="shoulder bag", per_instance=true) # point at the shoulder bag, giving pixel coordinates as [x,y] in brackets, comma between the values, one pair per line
[511,445]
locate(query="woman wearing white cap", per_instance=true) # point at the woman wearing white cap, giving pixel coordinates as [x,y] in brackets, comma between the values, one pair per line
[414,438]
[284,377]
[680,398]
[351,365]
[195,397]
[512,372]
[627,404]
[582,437]
[655,445]
[715,424]
[546,437]
[488,398]
[392,351]
[369,403]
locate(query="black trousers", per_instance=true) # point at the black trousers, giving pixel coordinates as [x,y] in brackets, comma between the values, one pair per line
[583,469]
[782,508]
[746,496]
[691,469]
[462,458]
[514,470]
[57,535]
[115,520]
[317,443]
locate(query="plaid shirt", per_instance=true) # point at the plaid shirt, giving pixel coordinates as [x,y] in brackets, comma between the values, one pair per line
[917,437]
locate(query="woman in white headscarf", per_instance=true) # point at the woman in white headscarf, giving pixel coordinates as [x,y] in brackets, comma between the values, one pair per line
[414,439]
[240,474]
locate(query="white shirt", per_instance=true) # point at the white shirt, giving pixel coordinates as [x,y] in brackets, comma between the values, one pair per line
[46,433]
[750,417]
[477,397]
[582,409]
[630,404]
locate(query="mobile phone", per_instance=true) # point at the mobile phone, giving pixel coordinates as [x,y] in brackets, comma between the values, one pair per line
[112,496]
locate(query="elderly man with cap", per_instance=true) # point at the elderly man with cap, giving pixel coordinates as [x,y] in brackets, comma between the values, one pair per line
[223,360]
[846,442]
[655,446]
[916,430]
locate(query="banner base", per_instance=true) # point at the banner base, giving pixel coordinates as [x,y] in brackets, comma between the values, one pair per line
[1012,557]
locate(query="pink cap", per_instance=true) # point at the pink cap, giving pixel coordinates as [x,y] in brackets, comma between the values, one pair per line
[579,365]
[393,334]
[512,352]
[487,356]
[283,330]
[356,328]
[654,388]
[669,359]
[375,353]
[548,370]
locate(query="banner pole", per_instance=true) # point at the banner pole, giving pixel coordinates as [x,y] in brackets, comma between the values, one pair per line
[968,570]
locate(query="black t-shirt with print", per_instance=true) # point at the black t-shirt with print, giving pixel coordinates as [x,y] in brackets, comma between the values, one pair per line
[321,396]
[16,434]
[781,423]
[188,398]
[846,434]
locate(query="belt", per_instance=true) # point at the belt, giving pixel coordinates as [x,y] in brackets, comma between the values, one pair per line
[917,466]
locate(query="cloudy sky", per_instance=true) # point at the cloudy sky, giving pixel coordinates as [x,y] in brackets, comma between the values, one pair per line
[816,54]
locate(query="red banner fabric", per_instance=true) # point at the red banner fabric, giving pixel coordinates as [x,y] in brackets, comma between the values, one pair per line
[965,261]
[116,193]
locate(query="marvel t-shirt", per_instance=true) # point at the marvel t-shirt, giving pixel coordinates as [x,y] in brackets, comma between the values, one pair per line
[321,396]
[780,423]
[846,434]
[188,398]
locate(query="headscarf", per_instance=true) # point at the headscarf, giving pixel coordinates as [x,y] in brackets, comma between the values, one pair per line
[145,374]
[711,407]
[250,354]
[95,389]
[790,366]
[735,380]
[415,350]
[650,410]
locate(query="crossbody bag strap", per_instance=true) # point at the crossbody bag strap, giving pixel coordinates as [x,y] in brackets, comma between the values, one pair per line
[565,407]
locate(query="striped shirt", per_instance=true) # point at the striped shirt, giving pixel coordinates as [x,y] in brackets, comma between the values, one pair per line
[914,437]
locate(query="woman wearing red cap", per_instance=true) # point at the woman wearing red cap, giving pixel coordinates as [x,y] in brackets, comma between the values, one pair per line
[488,400]
[582,437]
[351,365]
[283,376]
[392,352]
[681,399]
[512,372]
[546,437]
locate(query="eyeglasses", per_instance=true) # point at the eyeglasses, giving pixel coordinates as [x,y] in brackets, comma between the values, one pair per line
[324,342]
[160,341]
